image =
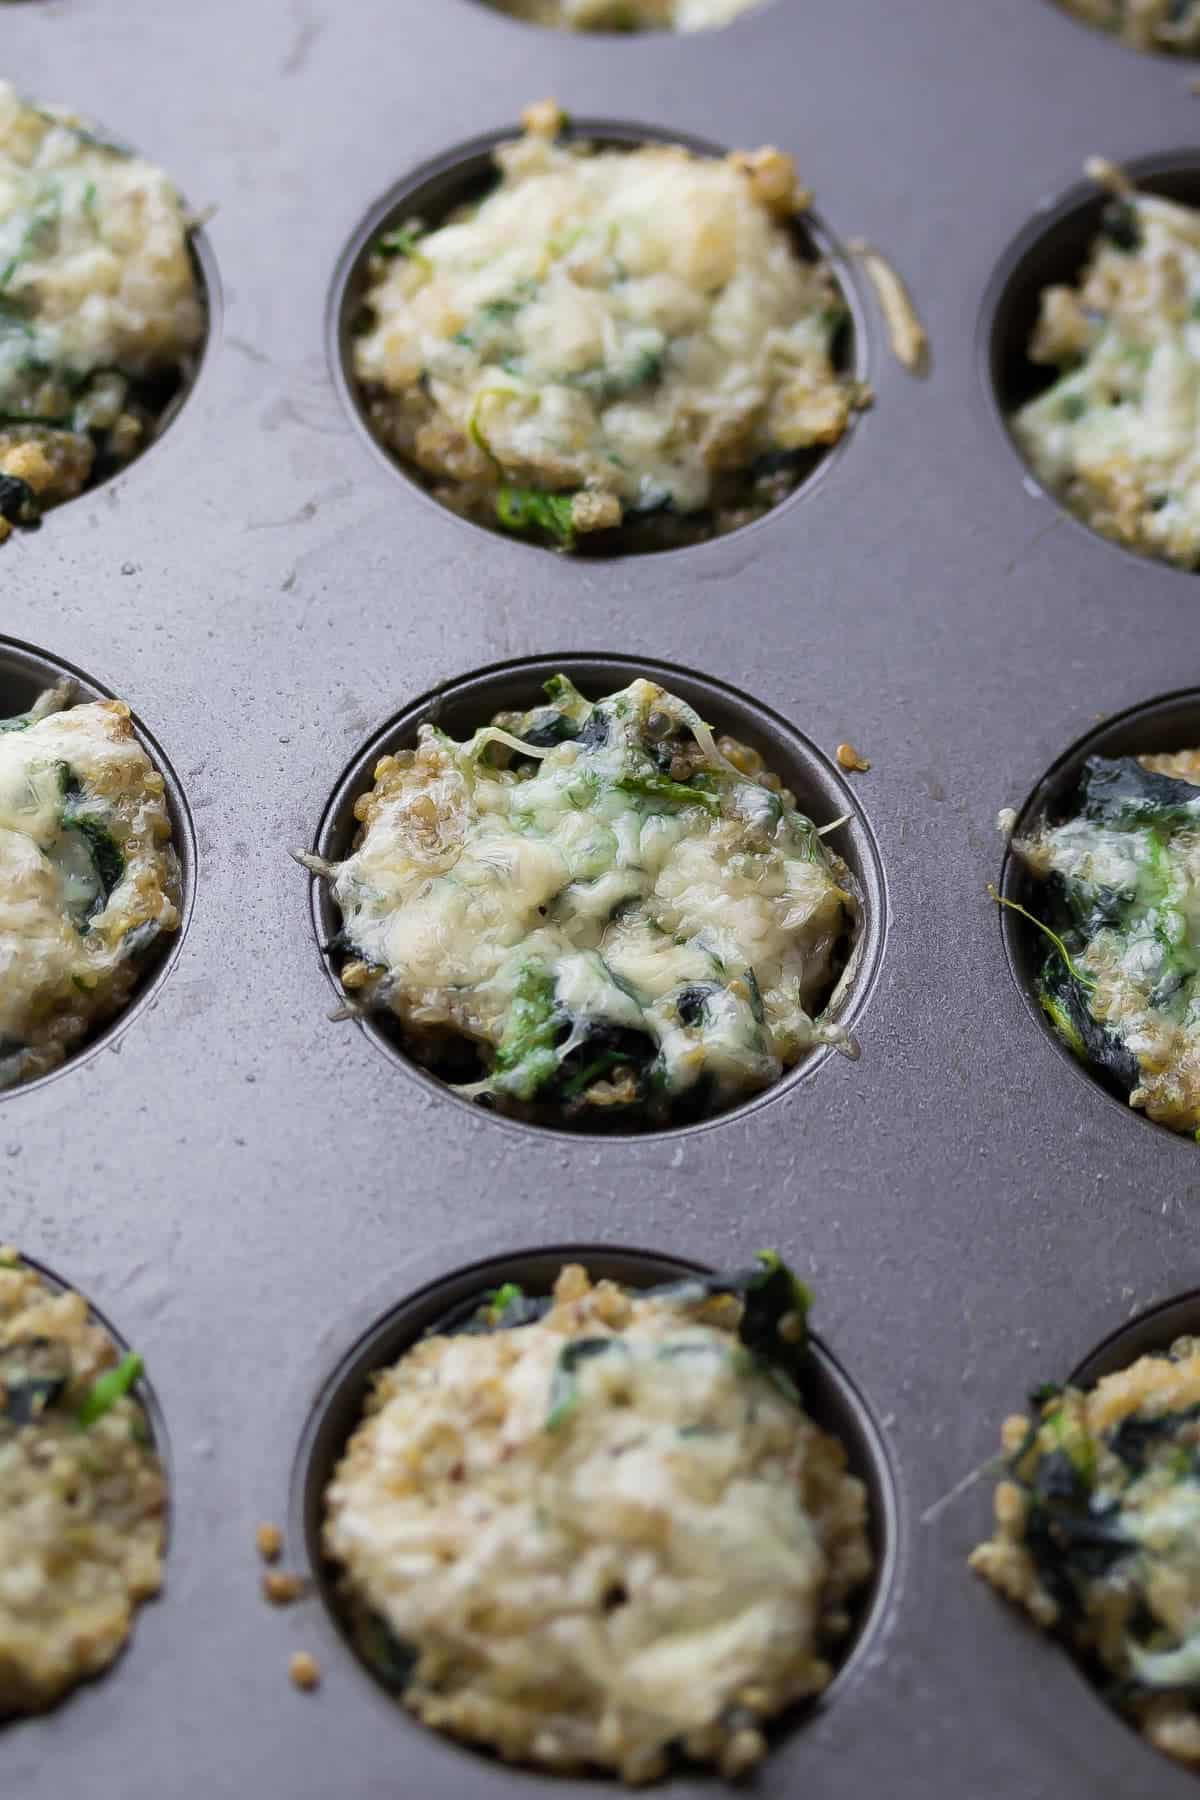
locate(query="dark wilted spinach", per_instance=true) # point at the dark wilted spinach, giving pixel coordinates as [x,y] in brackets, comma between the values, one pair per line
[33,1375]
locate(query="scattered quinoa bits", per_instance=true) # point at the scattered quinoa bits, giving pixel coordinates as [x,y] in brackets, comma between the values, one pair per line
[268,1541]
[305,1671]
[281,1588]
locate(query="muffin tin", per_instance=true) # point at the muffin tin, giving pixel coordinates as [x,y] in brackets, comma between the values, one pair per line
[246,1188]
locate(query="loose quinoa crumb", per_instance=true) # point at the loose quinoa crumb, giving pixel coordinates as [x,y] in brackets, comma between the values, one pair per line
[269,1541]
[544,118]
[850,758]
[280,1588]
[305,1671]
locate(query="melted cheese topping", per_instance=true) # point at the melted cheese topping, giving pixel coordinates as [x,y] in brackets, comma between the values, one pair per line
[88,877]
[627,15]
[1165,25]
[621,919]
[1098,1534]
[1117,436]
[628,329]
[601,1533]
[97,296]
[81,1508]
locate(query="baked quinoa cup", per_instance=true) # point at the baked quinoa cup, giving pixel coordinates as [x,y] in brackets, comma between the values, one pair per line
[1166,25]
[89,880]
[101,315]
[82,1493]
[1114,435]
[621,347]
[1116,896]
[600,1531]
[627,15]
[594,913]
[1098,1535]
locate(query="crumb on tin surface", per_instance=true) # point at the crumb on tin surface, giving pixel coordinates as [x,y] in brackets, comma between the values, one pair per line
[281,1588]
[852,759]
[304,1671]
[268,1540]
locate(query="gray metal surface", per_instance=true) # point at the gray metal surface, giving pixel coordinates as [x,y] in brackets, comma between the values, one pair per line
[243,1187]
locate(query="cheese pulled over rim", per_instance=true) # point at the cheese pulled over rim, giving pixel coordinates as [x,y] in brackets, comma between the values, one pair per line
[1117,898]
[623,919]
[100,312]
[607,1534]
[1098,1534]
[1116,434]
[89,879]
[1165,25]
[609,338]
[627,15]
[82,1493]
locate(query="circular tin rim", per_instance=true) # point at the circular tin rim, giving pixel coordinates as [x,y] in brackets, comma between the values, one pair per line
[1016,933]
[43,670]
[1063,207]
[1182,59]
[465,165]
[1147,1332]
[592,669]
[613,35]
[401,1325]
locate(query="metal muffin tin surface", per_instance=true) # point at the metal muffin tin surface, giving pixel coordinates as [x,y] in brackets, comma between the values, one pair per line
[244,1187]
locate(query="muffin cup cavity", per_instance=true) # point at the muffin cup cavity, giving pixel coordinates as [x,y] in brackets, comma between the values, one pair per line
[1166,724]
[462,705]
[24,674]
[830,1398]
[70,454]
[465,175]
[1050,251]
